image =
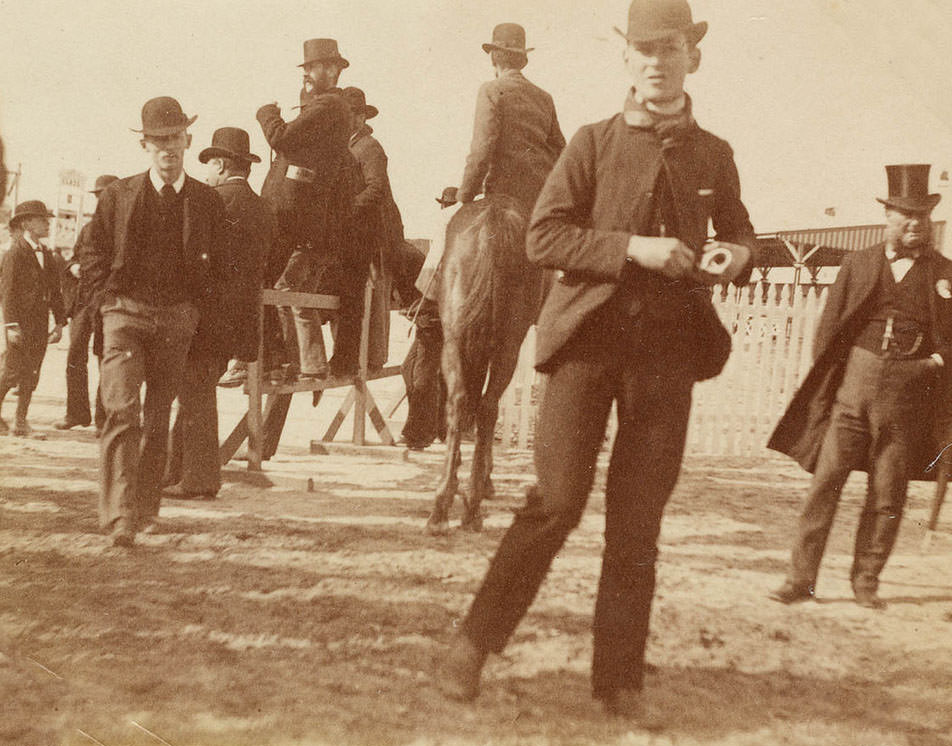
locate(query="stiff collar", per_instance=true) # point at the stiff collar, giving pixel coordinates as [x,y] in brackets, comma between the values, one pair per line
[231,179]
[638,113]
[362,132]
[893,255]
[510,73]
[157,182]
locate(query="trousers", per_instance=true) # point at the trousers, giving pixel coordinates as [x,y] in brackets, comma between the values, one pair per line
[142,344]
[81,329]
[193,462]
[875,421]
[637,367]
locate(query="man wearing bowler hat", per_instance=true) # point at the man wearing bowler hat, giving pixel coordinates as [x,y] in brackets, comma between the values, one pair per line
[310,186]
[29,291]
[877,398]
[84,324]
[231,328]
[624,216]
[378,226]
[154,268]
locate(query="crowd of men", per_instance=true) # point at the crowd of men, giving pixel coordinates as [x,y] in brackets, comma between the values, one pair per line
[169,268]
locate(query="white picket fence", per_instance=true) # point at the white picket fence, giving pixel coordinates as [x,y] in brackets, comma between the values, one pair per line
[772,328]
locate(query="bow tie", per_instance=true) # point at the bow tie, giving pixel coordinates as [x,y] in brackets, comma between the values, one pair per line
[894,256]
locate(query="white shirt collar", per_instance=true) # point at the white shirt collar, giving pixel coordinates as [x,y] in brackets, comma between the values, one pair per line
[668,109]
[157,182]
[36,245]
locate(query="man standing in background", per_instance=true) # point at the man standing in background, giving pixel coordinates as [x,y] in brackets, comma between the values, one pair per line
[193,469]
[84,323]
[29,291]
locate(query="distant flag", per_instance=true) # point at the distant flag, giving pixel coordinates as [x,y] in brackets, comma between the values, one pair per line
[831,211]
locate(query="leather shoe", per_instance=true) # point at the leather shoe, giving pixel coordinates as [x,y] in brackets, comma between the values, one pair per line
[22,429]
[178,492]
[868,598]
[789,593]
[631,704]
[122,533]
[68,424]
[458,675]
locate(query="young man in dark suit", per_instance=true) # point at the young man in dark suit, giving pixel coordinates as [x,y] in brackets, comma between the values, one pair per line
[231,330]
[624,216]
[154,266]
[30,278]
[877,397]
[84,324]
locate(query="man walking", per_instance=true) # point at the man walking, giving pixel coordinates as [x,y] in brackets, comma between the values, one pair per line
[310,186]
[29,291]
[84,324]
[877,395]
[155,261]
[193,469]
[624,216]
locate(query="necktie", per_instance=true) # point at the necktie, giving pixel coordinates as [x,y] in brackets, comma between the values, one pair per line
[168,193]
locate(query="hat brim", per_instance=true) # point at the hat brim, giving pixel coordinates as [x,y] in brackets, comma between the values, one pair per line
[343,63]
[17,219]
[208,153]
[165,131]
[911,203]
[694,33]
[490,47]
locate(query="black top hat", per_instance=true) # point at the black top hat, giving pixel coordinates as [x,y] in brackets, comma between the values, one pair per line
[448,197]
[356,99]
[32,208]
[163,116]
[508,37]
[649,20]
[229,142]
[102,182]
[909,188]
[322,50]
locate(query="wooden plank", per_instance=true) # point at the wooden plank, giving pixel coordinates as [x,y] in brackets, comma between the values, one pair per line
[231,444]
[275,414]
[339,417]
[300,300]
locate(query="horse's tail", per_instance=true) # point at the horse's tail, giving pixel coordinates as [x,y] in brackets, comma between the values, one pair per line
[498,233]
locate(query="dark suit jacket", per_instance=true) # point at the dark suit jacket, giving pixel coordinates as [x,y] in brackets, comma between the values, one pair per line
[516,141]
[800,432]
[28,292]
[249,232]
[600,194]
[374,207]
[117,236]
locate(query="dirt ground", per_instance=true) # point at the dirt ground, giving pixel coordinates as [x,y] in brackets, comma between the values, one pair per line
[278,615]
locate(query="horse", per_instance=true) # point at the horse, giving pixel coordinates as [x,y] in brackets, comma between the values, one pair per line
[489,297]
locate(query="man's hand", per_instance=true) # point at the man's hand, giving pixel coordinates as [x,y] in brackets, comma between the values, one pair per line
[268,111]
[669,256]
[56,335]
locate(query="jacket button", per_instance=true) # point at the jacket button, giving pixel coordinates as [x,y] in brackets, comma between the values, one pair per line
[649,195]
[204,257]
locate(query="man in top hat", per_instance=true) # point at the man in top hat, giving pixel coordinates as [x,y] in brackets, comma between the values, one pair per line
[310,186]
[378,225]
[84,323]
[877,397]
[29,292]
[231,329]
[624,216]
[154,268]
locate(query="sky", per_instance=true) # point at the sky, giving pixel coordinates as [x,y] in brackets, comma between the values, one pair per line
[815,96]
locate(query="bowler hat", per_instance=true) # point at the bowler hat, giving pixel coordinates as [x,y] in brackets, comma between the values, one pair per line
[32,208]
[356,99]
[909,188]
[650,20]
[229,142]
[102,182]
[508,37]
[448,197]
[163,116]
[322,50]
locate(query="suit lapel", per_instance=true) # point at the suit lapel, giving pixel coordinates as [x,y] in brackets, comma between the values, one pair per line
[186,213]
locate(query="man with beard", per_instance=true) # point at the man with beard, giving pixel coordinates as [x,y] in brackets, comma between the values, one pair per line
[310,186]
